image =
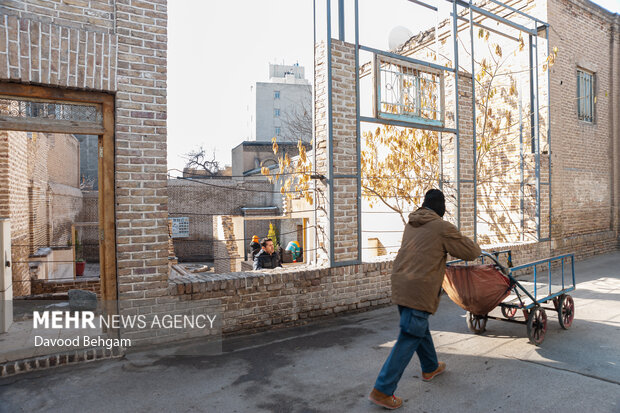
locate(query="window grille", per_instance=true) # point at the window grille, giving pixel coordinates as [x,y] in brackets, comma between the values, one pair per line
[408,92]
[585,96]
[15,107]
[180,227]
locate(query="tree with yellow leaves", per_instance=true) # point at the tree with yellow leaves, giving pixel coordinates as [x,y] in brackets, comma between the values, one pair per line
[497,136]
[398,166]
[293,177]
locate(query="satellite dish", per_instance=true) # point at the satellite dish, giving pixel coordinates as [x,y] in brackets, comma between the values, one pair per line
[398,36]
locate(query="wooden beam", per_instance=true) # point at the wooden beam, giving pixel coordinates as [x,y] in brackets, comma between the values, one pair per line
[20,90]
[49,125]
[73,234]
[101,216]
[107,215]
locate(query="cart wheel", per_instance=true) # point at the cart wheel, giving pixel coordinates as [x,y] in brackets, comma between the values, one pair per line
[476,323]
[537,325]
[509,312]
[566,311]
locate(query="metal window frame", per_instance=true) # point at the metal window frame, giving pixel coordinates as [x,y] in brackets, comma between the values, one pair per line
[377,61]
[585,102]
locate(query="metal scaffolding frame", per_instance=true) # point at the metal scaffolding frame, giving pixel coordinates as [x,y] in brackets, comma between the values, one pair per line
[538,26]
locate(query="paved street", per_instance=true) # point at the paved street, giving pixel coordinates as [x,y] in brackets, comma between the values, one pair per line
[330,366]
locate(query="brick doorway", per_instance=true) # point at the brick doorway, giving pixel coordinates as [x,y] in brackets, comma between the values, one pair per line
[54,111]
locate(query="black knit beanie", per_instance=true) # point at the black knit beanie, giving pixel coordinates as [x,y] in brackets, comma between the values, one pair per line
[434,200]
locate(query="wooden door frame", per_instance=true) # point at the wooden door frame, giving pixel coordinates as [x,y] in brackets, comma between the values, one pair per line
[106,198]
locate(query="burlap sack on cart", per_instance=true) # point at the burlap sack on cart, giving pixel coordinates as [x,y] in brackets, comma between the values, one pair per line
[476,288]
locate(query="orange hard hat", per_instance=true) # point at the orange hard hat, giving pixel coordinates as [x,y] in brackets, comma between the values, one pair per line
[255,238]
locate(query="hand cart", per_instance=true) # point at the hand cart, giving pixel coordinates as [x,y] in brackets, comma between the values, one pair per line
[531,296]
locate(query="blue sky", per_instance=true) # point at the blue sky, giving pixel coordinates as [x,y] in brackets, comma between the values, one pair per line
[218,49]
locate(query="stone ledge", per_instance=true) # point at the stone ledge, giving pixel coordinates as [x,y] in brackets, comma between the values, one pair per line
[188,284]
[11,368]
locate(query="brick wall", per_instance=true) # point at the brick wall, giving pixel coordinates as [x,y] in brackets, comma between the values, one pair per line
[582,153]
[465,155]
[200,200]
[63,159]
[65,206]
[52,287]
[39,202]
[64,44]
[343,149]
[227,232]
[142,202]
[15,187]
[45,217]
[250,301]
[117,46]
[62,184]
[89,235]
[321,152]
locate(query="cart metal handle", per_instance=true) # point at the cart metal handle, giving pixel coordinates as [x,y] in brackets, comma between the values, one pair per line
[503,269]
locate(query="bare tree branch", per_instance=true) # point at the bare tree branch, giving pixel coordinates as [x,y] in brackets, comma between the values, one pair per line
[297,120]
[197,159]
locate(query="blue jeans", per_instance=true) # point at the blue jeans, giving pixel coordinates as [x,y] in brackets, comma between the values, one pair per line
[414,336]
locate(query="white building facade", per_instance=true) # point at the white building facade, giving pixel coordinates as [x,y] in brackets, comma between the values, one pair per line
[282,107]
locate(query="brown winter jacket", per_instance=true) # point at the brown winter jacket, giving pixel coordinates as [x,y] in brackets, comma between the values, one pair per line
[420,265]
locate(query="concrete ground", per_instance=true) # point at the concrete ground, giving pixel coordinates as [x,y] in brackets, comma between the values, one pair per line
[331,365]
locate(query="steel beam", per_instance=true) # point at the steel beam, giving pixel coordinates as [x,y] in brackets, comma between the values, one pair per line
[405,58]
[358,137]
[404,124]
[473,106]
[499,3]
[482,26]
[330,147]
[341,20]
[549,125]
[495,17]
[421,3]
[537,131]
[316,230]
[456,111]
